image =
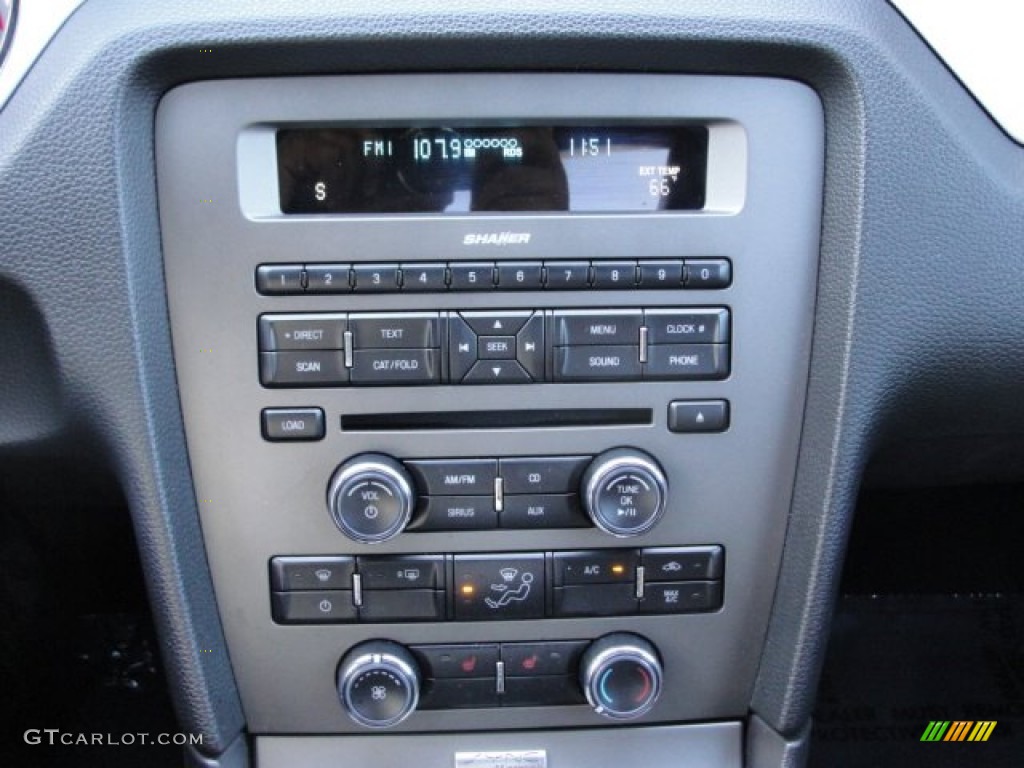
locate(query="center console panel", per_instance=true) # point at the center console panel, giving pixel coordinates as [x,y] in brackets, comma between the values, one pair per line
[471,456]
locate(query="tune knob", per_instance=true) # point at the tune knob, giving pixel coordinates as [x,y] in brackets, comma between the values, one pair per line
[621,676]
[371,498]
[624,492]
[378,683]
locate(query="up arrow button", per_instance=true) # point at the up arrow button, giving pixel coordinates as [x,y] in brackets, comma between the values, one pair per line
[698,416]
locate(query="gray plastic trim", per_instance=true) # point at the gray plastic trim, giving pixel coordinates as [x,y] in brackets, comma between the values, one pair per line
[717,745]
[35,24]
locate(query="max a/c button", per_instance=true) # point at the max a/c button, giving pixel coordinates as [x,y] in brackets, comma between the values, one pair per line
[280,424]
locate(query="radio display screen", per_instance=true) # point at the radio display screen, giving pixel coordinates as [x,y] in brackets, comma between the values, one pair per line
[482,169]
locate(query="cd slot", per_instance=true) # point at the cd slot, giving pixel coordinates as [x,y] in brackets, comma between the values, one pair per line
[504,419]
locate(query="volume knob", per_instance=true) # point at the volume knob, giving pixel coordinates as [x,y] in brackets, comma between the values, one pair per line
[379,683]
[371,498]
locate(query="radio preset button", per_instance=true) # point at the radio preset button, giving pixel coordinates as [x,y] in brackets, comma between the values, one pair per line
[597,363]
[285,424]
[687,361]
[306,331]
[708,273]
[312,368]
[454,477]
[328,278]
[375,278]
[667,273]
[613,326]
[614,274]
[424,277]
[566,275]
[520,276]
[396,366]
[279,279]
[472,276]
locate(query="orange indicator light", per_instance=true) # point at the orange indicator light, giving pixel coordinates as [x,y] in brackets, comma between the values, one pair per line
[618,569]
[467,589]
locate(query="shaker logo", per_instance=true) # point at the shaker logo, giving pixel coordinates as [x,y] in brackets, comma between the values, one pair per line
[497,238]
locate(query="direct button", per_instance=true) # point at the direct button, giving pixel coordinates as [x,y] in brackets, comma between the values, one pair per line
[284,332]
[691,326]
[281,424]
[613,326]
[408,330]
[448,477]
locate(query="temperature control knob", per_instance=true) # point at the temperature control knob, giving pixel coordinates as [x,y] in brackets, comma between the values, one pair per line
[378,683]
[621,676]
[624,491]
[371,498]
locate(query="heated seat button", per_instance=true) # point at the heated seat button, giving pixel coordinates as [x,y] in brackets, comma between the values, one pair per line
[595,600]
[448,661]
[616,363]
[290,574]
[395,366]
[284,424]
[287,332]
[542,691]
[687,361]
[375,278]
[610,566]
[402,605]
[279,279]
[313,607]
[398,330]
[455,513]
[681,563]
[682,597]
[687,326]
[499,587]
[612,326]
[459,693]
[550,474]
[551,658]
[542,510]
[454,477]
[402,572]
[312,368]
